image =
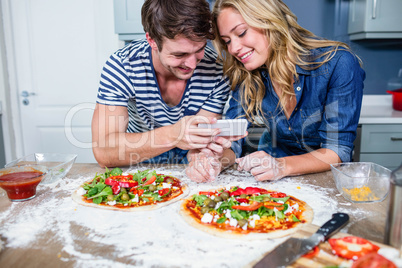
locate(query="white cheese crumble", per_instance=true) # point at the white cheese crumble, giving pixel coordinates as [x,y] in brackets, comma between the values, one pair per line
[218,205]
[207,218]
[166,185]
[111,203]
[253,218]
[244,227]
[227,214]
[233,222]
[81,191]
[135,199]
[291,208]
[216,217]
[244,204]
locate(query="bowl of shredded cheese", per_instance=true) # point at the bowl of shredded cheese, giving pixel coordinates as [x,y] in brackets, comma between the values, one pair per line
[361,182]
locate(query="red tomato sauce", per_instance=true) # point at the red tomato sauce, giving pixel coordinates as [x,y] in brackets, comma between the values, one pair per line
[21,185]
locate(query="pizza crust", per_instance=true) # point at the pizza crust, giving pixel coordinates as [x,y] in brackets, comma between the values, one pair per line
[81,201]
[308,215]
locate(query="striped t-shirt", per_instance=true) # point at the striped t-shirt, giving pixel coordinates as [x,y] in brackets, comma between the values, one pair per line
[128,79]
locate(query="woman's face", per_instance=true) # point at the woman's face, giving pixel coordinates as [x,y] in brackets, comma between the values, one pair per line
[247,44]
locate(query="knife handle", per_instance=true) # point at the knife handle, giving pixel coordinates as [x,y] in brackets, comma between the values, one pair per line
[338,221]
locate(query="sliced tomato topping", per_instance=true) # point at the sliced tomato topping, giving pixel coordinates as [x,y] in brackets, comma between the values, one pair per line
[254,206]
[247,191]
[373,260]
[312,253]
[352,247]
[163,191]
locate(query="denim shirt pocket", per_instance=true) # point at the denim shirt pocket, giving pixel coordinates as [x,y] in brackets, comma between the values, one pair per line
[311,122]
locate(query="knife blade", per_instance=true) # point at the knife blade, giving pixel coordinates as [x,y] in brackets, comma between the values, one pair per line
[293,248]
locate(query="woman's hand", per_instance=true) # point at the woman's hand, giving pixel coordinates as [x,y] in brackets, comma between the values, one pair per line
[202,167]
[262,166]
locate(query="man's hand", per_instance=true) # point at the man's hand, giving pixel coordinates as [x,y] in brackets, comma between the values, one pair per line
[262,166]
[186,135]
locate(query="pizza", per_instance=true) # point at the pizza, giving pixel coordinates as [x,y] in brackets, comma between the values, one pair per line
[249,213]
[140,191]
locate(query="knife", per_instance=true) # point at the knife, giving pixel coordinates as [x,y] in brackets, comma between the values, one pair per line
[293,248]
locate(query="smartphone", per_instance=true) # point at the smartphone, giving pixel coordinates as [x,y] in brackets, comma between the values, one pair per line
[229,127]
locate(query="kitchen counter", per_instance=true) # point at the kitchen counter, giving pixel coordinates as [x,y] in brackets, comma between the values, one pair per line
[377,109]
[51,230]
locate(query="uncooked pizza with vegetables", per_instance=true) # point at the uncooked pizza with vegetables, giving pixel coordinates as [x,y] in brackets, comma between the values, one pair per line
[139,191]
[246,213]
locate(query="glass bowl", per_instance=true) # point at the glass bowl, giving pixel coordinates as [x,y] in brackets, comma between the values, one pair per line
[361,182]
[20,182]
[58,164]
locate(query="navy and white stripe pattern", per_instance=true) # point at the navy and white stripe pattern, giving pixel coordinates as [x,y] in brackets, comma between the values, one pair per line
[128,79]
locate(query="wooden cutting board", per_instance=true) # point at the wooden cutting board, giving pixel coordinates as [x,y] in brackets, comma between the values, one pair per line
[325,258]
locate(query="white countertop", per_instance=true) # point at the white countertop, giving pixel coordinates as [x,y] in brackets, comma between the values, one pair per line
[377,109]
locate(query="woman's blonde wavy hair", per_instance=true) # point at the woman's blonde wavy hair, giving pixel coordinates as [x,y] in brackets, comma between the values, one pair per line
[290,45]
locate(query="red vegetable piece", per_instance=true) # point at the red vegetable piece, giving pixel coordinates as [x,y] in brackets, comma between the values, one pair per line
[163,191]
[242,200]
[312,253]
[277,194]
[116,188]
[239,191]
[252,207]
[373,260]
[352,247]
[151,180]
[252,190]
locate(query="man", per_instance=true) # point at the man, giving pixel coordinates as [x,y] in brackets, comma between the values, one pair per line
[153,93]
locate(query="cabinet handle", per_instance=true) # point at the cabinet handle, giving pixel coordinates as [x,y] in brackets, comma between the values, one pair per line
[374,11]
[396,139]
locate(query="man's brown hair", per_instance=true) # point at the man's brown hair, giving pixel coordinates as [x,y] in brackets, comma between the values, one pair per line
[169,18]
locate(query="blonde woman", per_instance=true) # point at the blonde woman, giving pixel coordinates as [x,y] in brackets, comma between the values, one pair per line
[305,90]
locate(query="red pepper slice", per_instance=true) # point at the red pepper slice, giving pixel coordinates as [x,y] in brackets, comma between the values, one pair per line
[140,192]
[272,205]
[277,194]
[352,247]
[312,253]
[151,180]
[242,200]
[116,188]
[254,206]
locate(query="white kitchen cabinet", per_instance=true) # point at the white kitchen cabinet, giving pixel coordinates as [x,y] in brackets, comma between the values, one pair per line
[375,19]
[127,18]
[381,144]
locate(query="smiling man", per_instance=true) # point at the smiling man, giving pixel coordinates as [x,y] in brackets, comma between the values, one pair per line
[154,92]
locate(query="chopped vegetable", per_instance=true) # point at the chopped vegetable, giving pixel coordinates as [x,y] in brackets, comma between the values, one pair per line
[351,247]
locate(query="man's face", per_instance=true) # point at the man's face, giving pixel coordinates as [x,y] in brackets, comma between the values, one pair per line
[178,57]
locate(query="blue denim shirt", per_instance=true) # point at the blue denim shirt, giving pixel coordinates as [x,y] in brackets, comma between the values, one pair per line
[327,112]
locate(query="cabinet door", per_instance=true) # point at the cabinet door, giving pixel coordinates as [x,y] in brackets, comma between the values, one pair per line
[127,18]
[375,19]
[381,138]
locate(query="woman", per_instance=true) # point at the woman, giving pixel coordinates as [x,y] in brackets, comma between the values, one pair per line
[306,91]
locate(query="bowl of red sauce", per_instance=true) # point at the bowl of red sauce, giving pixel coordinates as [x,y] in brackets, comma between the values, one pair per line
[20,182]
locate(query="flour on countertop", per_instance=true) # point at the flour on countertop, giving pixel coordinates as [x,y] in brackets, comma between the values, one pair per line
[133,235]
